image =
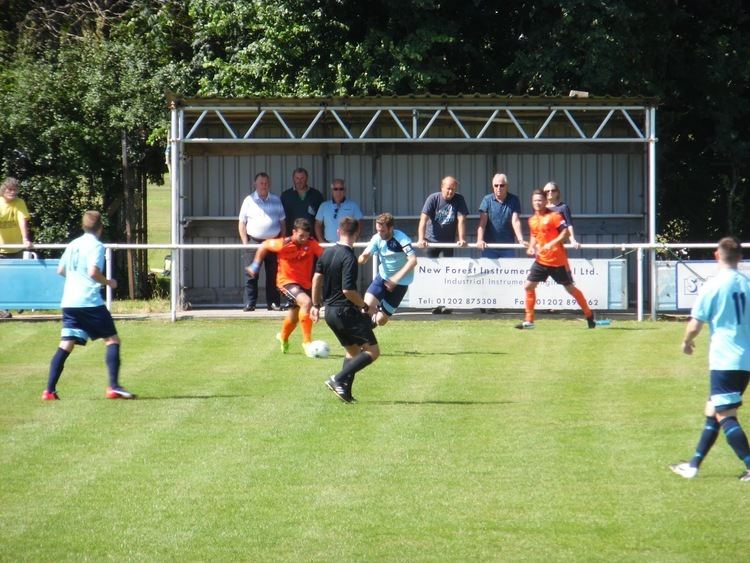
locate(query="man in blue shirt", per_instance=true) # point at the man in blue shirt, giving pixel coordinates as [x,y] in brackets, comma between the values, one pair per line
[499,220]
[396,262]
[723,304]
[84,314]
[334,210]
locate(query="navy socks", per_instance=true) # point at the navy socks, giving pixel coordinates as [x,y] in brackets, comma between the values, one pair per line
[112,359]
[56,367]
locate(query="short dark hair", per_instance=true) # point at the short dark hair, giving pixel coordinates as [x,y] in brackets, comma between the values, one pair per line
[730,250]
[262,175]
[349,226]
[302,224]
[538,191]
[91,222]
[300,170]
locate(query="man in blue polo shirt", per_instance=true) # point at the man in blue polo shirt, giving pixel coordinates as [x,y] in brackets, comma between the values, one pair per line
[396,262]
[84,314]
[334,210]
[723,304]
[499,220]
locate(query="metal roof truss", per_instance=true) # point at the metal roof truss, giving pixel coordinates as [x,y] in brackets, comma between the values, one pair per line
[404,124]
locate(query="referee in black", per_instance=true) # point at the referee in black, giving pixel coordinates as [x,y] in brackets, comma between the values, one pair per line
[335,286]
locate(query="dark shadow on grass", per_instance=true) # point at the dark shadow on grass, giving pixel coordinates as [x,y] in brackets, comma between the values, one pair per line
[198,397]
[434,353]
[435,402]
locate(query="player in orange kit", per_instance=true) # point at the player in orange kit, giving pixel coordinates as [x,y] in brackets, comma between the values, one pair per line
[297,255]
[548,233]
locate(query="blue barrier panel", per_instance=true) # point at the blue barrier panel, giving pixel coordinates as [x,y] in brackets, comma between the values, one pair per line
[30,284]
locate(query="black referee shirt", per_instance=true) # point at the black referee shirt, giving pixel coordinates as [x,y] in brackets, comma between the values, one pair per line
[338,264]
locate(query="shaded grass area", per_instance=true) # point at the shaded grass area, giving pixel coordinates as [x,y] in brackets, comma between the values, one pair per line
[470,441]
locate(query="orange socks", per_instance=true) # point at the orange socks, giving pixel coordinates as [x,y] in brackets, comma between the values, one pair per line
[530,302]
[287,328]
[306,323]
[582,302]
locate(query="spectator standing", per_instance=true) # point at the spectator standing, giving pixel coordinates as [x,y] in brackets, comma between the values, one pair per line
[297,256]
[443,220]
[723,305]
[14,224]
[83,312]
[333,210]
[552,193]
[261,218]
[499,220]
[548,232]
[300,201]
[335,286]
[396,262]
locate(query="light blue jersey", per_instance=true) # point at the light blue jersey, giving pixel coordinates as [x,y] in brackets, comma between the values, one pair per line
[392,255]
[80,289]
[724,303]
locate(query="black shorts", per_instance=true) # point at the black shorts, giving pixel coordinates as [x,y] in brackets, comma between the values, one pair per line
[540,273]
[350,325]
[292,290]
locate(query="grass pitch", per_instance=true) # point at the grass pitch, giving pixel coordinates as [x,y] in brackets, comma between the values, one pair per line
[471,441]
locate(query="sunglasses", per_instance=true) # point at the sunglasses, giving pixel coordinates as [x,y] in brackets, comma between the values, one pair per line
[551,191]
[338,189]
[500,185]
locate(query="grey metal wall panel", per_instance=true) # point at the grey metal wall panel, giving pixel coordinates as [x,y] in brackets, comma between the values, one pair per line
[592,182]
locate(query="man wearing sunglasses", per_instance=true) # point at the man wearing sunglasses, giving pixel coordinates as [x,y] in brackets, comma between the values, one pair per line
[499,220]
[333,210]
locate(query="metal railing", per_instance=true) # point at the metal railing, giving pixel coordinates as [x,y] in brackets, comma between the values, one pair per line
[639,248]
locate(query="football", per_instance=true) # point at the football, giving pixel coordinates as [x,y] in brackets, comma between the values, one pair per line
[317,349]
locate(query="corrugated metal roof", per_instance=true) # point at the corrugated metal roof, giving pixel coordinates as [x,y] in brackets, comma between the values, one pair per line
[416,99]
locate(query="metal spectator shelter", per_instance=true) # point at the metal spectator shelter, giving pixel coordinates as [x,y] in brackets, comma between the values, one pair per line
[392,152]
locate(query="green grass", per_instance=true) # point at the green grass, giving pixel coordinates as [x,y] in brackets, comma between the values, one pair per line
[159,205]
[471,442]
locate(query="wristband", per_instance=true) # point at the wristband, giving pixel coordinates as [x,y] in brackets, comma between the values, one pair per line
[316,306]
[255,267]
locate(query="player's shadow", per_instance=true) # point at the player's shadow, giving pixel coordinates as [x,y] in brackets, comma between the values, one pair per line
[417,353]
[438,402]
[195,397]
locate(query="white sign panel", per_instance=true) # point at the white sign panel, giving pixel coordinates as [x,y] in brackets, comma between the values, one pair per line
[690,277]
[469,283]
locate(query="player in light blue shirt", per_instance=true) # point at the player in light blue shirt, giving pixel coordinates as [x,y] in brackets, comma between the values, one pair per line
[396,262]
[723,304]
[84,314]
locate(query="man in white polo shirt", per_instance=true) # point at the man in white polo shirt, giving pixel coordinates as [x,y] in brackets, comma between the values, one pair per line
[261,217]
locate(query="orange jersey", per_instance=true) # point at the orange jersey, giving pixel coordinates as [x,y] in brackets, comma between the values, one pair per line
[295,262]
[545,227]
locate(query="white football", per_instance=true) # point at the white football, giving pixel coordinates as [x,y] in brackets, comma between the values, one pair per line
[318,349]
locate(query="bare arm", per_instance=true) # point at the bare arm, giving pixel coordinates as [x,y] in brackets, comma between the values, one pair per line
[23,223]
[692,330]
[363,258]
[354,296]
[317,296]
[97,276]
[319,231]
[411,263]
[515,222]
[242,229]
[480,230]
[572,237]
[461,232]
[422,230]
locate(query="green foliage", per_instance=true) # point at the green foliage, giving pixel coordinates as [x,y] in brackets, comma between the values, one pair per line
[73,81]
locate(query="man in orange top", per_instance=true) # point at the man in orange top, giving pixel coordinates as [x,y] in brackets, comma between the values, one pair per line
[548,233]
[297,255]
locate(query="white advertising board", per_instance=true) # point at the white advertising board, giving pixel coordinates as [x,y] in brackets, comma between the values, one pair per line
[468,283]
[690,277]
